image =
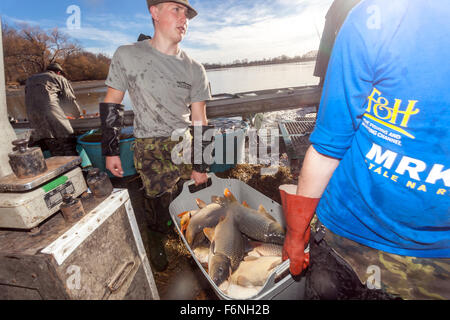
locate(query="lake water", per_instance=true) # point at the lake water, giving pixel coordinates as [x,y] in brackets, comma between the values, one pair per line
[231,80]
[234,80]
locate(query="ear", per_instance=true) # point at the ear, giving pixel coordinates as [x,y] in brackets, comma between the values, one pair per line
[154,11]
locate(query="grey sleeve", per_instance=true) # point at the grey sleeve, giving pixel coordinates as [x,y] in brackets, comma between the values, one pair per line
[117,79]
[67,90]
[69,99]
[200,90]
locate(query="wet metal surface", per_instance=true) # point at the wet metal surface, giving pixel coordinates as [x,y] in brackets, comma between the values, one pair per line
[99,183]
[71,208]
[55,167]
[296,136]
[26,162]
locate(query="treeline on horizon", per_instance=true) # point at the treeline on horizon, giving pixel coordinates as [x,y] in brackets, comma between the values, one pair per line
[310,56]
[29,50]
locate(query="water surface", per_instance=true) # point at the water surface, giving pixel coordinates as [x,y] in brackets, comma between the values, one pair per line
[230,80]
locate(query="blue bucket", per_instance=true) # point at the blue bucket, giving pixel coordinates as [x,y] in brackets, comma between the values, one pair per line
[94,152]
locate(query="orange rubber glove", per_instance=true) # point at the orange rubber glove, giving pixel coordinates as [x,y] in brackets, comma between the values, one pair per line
[298,213]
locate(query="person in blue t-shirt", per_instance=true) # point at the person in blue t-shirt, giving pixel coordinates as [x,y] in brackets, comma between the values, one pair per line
[378,172]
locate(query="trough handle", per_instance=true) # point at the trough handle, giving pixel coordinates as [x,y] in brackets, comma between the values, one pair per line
[280,272]
[186,186]
[120,277]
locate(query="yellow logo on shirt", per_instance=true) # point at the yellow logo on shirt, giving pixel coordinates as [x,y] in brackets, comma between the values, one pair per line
[393,117]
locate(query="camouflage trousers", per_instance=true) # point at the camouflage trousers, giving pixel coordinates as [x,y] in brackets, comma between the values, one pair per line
[161,179]
[153,162]
[343,269]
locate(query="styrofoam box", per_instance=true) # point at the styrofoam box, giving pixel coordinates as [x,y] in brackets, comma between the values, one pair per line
[280,285]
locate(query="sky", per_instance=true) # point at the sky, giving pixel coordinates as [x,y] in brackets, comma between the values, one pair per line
[223,31]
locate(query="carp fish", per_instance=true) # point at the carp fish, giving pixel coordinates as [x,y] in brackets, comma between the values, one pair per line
[236,291]
[227,249]
[254,271]
[207,217]
[232,228]
[202,255]
[256,224]
[262,249]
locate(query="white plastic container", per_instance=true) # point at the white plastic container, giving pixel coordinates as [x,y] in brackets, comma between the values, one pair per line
[280,285]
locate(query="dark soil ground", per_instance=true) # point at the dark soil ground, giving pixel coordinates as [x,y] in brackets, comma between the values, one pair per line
[183,279]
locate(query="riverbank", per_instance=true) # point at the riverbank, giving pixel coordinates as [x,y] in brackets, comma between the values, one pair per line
[16,90]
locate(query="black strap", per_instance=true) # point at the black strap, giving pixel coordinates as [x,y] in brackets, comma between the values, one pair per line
[202,167]
[320,233]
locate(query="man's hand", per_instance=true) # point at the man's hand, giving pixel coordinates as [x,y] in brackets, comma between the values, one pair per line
[79,111]
[199,178]
[114,164]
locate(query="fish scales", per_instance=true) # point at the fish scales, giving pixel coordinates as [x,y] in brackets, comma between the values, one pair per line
[256,225]
[226,250]
[207,217]
[265,249]
[229,241]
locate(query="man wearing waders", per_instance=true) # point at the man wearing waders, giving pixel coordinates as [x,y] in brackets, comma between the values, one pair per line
[168,91]
[45,93]
[378,171]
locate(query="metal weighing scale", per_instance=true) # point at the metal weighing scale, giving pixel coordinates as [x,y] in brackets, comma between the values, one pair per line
[26,203]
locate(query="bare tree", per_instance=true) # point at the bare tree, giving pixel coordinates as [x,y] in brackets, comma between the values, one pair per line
[60,46]
[31,49]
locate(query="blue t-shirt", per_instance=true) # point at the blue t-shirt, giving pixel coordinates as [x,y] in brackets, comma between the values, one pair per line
[385,112]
